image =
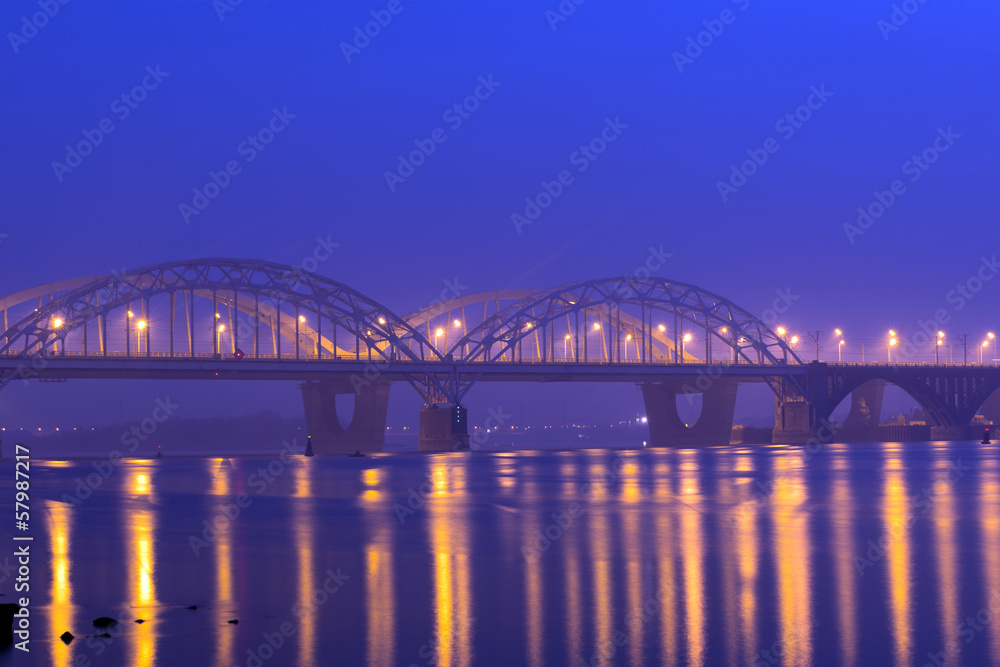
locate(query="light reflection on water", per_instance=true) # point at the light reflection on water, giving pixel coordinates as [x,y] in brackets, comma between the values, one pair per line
[854,555]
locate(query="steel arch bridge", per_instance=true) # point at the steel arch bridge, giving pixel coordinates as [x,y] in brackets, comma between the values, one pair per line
[215,308]
[247,319]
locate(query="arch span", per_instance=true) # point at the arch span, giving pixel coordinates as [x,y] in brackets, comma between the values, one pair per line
[160,310]
[613,320]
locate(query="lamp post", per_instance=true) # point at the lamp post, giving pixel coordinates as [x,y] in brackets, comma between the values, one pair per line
[686,338]
[937,346]
[993,338]
[840,351]
[566,347]
[218,338]
[892,344]
[140,330]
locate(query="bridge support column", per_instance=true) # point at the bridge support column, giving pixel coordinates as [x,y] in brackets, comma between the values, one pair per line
[366,431]
[801,418]
[443,428]
[861,424]
[714,426]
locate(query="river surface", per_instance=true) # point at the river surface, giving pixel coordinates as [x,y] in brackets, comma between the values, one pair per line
[878,554]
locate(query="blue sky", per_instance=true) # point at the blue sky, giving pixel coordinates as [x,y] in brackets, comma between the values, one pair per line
[893,89]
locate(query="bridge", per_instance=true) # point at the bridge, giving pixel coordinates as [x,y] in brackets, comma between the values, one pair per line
[232,319]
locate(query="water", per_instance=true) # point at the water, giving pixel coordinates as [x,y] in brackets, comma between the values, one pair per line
[850,555]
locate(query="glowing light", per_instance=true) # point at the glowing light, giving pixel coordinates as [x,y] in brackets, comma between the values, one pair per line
[781,331]
[567,336]
[892,333]
[892,341]
[838,332]
[940,334]
[217,316]
[643,420]
[990,336]
[129,313]
[457,323]
[795,339]
[56,323]
[222,327]
[661,328]
[528,325]
[597,325]
[140,325]
[842,342]
[302,318]
[629,337]
[381,320]
[725,330]
[687,338]
[439,332]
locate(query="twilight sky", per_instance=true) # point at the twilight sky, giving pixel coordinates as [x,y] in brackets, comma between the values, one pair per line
[836,100]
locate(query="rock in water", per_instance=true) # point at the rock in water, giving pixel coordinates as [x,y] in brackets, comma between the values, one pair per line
[234,621]
[7,612]
[67,637]
[194,606]
[104,622]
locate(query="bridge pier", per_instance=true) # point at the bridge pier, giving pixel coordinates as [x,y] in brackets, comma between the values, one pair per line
[861,424]
[366,431]
[714,425]
[443,428]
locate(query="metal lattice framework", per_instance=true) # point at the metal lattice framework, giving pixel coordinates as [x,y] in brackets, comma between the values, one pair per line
[163,311]
[625,320]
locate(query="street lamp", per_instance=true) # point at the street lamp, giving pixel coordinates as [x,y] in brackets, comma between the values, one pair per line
[892,344]
[566,347]
[140,327]
[218,337]
[994,339]
[628,339]
[981,349]
[840,351]
[940,343]
[686,338]
[457,323]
